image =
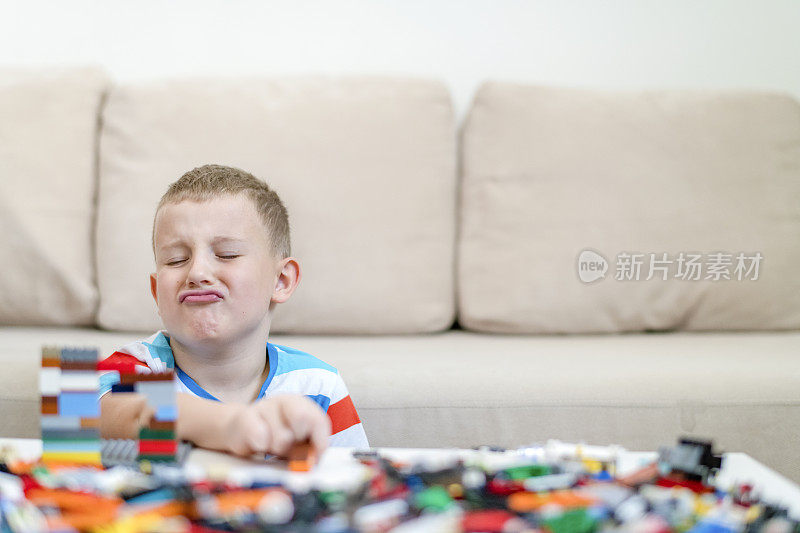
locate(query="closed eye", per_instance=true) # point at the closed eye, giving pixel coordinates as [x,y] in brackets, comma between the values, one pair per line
[227,256]
[171,263]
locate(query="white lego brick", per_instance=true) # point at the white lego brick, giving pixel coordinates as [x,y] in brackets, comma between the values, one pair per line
[79,380]
[11,488]
[50,381]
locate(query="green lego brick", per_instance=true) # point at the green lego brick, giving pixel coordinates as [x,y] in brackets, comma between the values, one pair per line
[156,434]
[574,521]
[433,498]
[524,472]
[166,458]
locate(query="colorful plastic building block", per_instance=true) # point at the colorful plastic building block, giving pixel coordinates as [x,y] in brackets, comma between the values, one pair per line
[70,412]
[302,457]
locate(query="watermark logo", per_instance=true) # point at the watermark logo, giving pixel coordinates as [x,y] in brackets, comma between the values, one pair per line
[684,266]
[591,266]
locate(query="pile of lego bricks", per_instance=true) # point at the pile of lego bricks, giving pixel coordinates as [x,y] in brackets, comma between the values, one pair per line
[529,489]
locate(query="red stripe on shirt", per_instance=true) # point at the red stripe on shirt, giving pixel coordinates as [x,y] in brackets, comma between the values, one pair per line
[343,415]
[124,363]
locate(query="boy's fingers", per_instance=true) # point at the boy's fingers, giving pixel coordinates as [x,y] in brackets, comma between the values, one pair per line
[300,425]
[300,416]
[320,434]
[320,428]
[294,418]
[316,424]
[146,415]
[281,437]
[253,435]
[257,436]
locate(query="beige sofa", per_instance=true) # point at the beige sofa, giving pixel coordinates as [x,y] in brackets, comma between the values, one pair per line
[446,265]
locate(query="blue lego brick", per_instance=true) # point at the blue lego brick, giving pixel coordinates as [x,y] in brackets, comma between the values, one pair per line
[83,404]
[55,422]
[69,434]
[79,355]
[166,413]
[709,526]
[154,496]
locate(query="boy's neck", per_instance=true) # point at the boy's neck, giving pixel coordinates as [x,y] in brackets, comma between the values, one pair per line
[231,373]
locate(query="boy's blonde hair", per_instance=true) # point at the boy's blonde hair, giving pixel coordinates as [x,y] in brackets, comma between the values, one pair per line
[211,181]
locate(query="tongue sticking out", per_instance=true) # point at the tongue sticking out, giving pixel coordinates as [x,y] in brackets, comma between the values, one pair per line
[202,298]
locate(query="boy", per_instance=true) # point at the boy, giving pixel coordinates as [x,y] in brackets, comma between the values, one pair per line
[222,252]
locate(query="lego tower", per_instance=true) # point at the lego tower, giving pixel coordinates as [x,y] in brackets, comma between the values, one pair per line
[70,411]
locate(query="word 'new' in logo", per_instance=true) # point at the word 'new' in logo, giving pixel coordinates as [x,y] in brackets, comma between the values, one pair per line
[591,266]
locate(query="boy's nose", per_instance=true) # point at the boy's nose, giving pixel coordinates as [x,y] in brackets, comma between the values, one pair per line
[199,272]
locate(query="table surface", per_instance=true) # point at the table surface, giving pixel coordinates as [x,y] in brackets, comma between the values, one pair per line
[334,463]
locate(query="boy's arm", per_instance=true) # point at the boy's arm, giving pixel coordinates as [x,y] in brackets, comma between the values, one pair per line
[199,420]
[270,425]
[266,426]
[205,422]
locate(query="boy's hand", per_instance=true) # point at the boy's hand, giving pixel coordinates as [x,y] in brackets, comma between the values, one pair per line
[272,425]
[122,414]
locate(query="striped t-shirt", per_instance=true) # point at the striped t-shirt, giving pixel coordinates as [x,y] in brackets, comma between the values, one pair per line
[290,371]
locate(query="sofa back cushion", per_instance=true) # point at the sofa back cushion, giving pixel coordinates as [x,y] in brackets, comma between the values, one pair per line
[48,137]
[560,182]
[365,167]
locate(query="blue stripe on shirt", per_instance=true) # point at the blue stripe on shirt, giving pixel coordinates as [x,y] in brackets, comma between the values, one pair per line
[107,380]
[272,355]
[298,360]
[192,385]
[321,400]
[160,349]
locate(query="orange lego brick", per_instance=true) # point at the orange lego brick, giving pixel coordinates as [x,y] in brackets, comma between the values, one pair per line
[228,502]
[525,502]
[49,405]
[302,457]
[73,502]
[90,423]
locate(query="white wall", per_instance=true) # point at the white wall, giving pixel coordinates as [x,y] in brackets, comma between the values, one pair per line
[619,44]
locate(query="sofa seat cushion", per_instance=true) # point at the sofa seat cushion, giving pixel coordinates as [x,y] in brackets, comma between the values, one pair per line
[637,390]
[467,389]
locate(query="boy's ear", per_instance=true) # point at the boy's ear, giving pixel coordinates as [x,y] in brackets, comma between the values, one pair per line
[153,287]
[288,278]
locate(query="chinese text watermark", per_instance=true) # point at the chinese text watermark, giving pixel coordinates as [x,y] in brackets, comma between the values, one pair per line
[684,266]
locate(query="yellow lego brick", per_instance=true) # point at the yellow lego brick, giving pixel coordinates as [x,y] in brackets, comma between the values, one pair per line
[92,458]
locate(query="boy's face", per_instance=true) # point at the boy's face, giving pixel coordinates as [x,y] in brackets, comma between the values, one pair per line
[215,273]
